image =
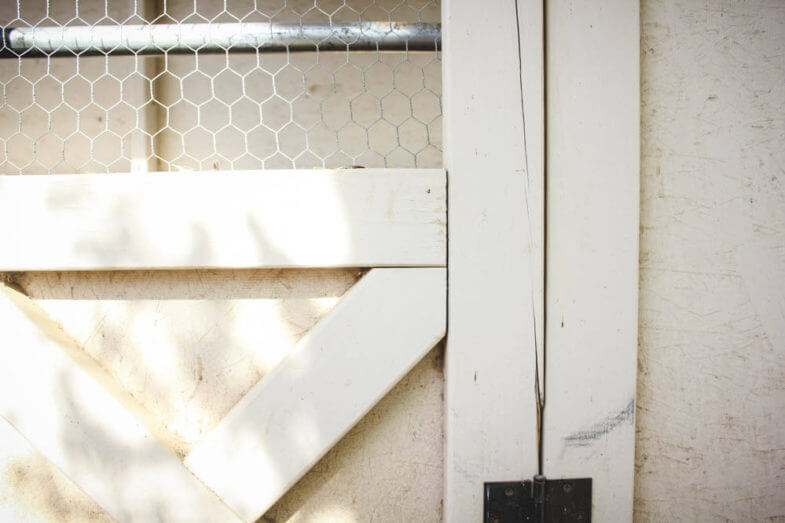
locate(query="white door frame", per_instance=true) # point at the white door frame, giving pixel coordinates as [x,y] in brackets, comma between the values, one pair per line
[494,158]
[519,403]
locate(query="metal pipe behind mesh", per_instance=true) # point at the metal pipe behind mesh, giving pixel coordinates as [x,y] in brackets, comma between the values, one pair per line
[190,38]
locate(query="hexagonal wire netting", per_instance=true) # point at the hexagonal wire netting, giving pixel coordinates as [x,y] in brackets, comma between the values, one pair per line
[102,112]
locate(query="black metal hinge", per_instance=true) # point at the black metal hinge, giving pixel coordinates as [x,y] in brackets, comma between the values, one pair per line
[538,500]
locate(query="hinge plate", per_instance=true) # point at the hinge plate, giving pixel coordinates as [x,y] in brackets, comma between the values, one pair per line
[539,500]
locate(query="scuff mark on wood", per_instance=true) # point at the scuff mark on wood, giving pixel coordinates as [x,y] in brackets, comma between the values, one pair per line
[585,437]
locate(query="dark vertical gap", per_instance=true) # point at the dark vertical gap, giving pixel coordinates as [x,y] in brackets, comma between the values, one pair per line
[541,435]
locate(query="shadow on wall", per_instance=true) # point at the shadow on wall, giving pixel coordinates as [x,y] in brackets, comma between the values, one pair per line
[187,345]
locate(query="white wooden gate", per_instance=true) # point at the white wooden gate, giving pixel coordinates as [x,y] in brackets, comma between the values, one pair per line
[381,328]
[541,345]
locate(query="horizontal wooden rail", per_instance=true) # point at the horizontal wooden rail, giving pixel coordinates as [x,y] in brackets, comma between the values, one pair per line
[249,219]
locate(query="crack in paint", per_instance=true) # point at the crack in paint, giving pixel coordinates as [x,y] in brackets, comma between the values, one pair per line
[539,380]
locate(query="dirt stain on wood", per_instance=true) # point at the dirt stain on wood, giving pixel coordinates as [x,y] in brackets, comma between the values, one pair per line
[586,437]
[37,487]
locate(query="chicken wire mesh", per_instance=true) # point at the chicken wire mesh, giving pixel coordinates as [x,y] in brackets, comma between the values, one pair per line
[96,111]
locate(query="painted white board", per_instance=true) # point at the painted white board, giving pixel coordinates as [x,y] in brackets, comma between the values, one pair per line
[495,262]
[314,218]
[592,257]
[71,418]
[383,326]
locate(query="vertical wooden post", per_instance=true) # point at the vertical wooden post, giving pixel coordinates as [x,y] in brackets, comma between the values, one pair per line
[592,284]
[492,69]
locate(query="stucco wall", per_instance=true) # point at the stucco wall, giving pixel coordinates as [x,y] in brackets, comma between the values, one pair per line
[711,385]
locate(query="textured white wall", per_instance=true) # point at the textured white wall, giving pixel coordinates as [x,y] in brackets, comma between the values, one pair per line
[711,387]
